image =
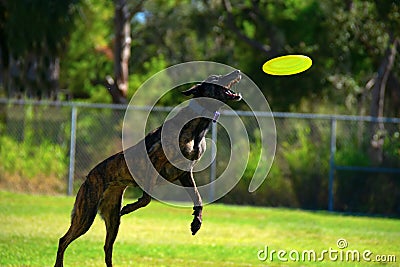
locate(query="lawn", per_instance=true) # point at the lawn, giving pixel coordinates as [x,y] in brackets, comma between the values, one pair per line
[159,235]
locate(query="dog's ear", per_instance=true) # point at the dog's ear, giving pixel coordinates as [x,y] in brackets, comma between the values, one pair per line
[194,90]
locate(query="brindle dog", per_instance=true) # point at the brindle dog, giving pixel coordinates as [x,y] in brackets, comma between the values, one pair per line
[104,186]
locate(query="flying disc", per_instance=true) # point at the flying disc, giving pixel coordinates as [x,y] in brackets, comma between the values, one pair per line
[287,65]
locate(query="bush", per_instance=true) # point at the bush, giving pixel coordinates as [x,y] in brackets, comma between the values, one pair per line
[33,154]
[25,165]
[275,191]
[306,157]
[26,160]
[367,192]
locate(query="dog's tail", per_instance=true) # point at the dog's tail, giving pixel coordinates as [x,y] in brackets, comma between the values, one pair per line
[86,203]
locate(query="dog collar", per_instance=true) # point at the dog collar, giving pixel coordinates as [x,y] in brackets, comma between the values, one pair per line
[216,116]
[202,111]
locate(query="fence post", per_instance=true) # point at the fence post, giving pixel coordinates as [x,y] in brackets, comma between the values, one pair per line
[332,162]
[72,151]
[213,167]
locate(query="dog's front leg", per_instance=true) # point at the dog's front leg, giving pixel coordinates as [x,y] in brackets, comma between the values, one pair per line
[188,182]
[143,201]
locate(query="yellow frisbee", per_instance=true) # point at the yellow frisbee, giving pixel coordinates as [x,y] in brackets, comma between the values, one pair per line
[287,65]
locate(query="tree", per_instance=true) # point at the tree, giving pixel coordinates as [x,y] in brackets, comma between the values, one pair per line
[262,30]
[33,35]
[365,44]
[124,12]
[89,56]
[346,40]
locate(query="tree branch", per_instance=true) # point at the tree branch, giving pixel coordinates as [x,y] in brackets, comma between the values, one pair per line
[252,42]
[136,8]
[382,77]
[389,66]
[378,100]
[115,93]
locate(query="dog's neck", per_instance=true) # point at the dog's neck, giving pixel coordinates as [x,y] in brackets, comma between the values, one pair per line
[202,111]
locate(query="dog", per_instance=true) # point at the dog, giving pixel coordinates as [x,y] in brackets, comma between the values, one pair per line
[103,189]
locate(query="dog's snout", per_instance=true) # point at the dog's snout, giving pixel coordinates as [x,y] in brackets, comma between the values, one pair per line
[237,74]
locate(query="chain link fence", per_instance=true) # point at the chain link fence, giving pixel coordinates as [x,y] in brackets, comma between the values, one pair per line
[344,163]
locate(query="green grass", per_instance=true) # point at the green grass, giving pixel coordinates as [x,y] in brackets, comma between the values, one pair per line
[159,235]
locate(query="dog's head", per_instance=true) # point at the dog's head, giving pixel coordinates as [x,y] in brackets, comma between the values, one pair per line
[217,87]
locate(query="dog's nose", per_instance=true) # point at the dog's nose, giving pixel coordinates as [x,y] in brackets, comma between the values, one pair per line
[238,74]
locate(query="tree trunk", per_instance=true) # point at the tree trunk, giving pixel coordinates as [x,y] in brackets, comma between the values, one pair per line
[118,88]
[378,101]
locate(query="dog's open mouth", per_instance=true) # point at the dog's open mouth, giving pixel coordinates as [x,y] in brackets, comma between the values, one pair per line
[234,81]
[229,92]
[232,95]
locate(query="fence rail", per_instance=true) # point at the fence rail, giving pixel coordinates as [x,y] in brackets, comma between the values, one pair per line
[316,149]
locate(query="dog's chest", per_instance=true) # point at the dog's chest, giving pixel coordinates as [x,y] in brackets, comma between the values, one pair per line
[193,150]
[182,161]
[187,141]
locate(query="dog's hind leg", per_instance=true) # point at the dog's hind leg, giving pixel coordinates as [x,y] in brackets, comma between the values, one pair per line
[109,209]
[83,214]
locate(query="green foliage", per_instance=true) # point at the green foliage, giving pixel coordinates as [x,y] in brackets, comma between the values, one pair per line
[98,136]
[391,146]
[33,35]
[32,157]
[21,159]
[150,68]
[33,148]
[33,25]
[275,191]
[351,156]
[180,31]
[306,156]
[367,192]
[88,59]
[346,40]
[363,191]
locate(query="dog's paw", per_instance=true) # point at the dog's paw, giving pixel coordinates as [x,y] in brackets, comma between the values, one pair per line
[196,224]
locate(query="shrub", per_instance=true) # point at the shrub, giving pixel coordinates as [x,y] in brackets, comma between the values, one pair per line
[306,157]
[33,153]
